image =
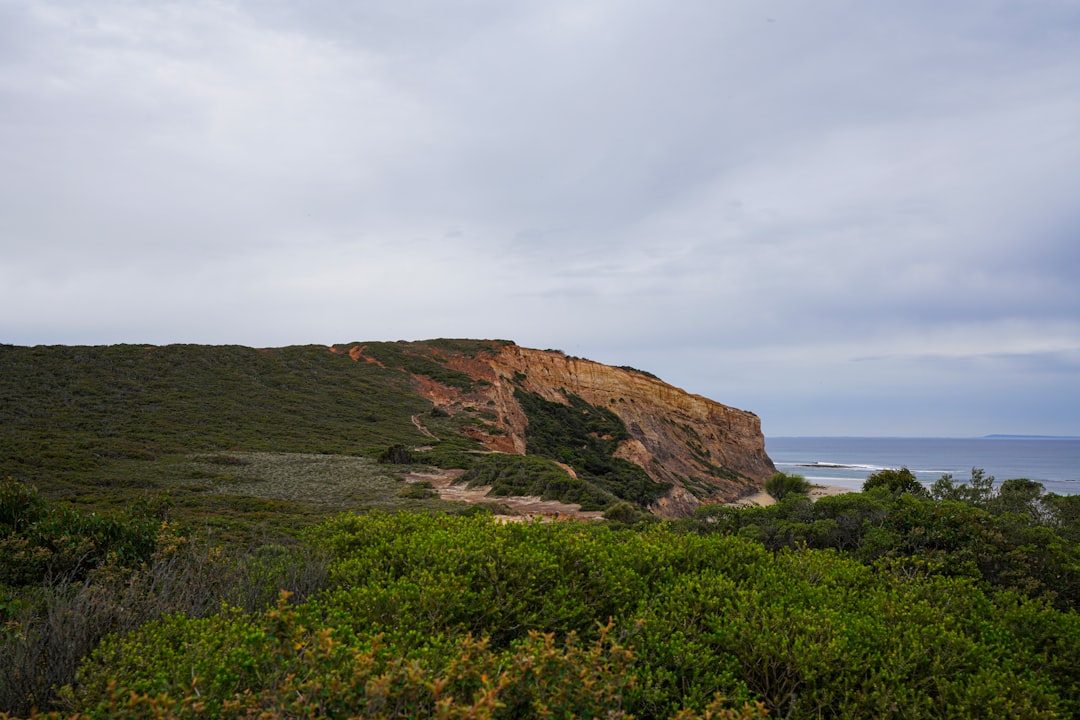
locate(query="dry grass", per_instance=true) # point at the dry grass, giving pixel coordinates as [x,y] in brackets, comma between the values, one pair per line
[326,482]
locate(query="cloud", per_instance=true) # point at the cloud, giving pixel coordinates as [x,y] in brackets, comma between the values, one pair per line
[749,201]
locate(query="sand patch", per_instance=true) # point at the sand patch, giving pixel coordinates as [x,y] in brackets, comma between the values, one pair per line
[762,498]
[529,507]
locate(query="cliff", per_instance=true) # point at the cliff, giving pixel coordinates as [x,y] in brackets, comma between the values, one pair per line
[707,452]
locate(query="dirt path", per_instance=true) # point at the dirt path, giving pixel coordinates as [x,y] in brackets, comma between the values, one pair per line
[420,426]
[816,491]
[529,507]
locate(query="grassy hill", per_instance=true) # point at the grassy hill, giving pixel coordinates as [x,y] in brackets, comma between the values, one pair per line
[93,424]
[140,401]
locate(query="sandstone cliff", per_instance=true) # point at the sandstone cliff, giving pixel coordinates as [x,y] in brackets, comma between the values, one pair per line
[707,451]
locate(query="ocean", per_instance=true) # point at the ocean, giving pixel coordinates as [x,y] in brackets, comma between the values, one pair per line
[847,461]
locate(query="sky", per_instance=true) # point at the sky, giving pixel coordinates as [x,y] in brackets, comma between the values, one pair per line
[850,218]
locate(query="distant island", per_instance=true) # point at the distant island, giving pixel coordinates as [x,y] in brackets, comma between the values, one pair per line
[1031,437]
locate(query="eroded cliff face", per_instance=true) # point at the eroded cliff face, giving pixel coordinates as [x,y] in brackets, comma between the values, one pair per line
[709,452]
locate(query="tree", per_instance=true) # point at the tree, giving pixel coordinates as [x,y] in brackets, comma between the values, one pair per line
[1064,515]
[1022,497]
[945,489]
[980,490]
[896,482]
[780,485]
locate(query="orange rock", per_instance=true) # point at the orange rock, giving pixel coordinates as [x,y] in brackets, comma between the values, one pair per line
[675,436]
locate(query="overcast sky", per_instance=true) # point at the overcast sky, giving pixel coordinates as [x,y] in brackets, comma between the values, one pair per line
[855,218]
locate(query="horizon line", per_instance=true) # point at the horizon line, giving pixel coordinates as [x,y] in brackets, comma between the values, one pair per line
[992,436]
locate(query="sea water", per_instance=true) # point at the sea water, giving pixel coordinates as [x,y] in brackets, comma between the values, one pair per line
[847,461]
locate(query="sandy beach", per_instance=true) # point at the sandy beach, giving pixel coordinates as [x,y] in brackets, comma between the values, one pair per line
[763,498]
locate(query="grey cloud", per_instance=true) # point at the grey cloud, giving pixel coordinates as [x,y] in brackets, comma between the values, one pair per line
[744,205]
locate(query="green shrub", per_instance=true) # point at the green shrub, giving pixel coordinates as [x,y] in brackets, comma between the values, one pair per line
[20,505]
[447,616]
[625,513]
[529,475]
[586,437]
[397,455]
[70,578]
[48,543]
[896,482]
[418,491]
[418,359]
[780,485]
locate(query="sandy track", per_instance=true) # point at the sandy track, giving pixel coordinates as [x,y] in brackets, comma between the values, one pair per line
[529,507]
[763,498]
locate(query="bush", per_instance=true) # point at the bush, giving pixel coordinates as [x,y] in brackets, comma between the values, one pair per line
[530,475]
[69,578]
[418,491]
[450,617]
[896,482]
[780,485]
[45,543]
[396,455]
[20,506]
[624,513]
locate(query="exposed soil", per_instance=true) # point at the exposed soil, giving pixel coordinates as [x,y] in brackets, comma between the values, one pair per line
[529,507]
[763,498]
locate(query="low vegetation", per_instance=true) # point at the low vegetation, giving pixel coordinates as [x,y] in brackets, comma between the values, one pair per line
[1008,536]
[423,359]
[534,476]
[94,424]
[873,604]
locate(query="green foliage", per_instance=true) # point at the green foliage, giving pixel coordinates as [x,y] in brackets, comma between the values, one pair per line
[624,513]
[586,437]
[421,359]
[97,426]
[20,506]
[1064,516]
[397,455]
[780,485]
[531,475]
[42,542]
[418,491]
[646,373]
[1024,545]
[1022,497]
[466,347]
[71,578]
[979,491]
[444,617]
[92,421]
[275,665]
[896,482]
